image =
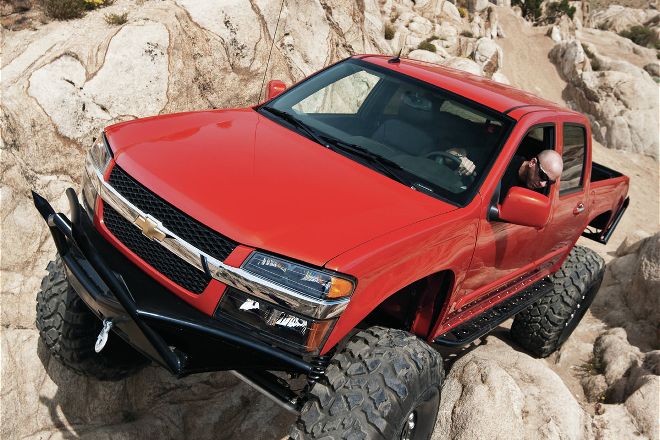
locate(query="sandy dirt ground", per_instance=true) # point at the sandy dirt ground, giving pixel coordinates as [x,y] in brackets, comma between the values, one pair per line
[528,67]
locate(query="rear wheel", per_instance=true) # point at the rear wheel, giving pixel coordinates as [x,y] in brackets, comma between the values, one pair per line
[69,330]
[545,325]
[385,384]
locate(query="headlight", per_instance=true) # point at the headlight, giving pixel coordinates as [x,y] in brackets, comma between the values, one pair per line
[97,161]
[302,279]
[100,154]
[269,322]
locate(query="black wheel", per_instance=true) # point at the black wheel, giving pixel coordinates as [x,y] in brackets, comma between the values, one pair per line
[545,325]
[69,330]
[385,384]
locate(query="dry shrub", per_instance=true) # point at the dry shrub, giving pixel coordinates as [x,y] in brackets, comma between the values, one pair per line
[642,35]
[389,32]
[116,19]
[426,45]
[63,9]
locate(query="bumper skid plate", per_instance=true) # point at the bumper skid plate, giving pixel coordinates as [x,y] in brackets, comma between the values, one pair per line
[145,314]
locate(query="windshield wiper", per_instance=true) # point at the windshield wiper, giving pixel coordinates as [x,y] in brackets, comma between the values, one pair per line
[384,164]
[288,117]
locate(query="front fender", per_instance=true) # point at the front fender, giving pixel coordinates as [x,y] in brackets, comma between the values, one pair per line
[385,265]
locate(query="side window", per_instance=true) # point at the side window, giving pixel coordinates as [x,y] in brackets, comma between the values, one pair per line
[573,157]
[537,139]
[345,96]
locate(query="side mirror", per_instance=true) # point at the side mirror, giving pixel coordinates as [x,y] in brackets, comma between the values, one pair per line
[274,88]
[525,207]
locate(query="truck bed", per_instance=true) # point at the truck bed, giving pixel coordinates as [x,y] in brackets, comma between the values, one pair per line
[608,201]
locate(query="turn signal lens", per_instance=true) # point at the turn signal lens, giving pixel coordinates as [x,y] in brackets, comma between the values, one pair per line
[339,288]
[317,334]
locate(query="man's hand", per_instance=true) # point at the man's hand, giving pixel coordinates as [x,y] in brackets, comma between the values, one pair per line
[466,167]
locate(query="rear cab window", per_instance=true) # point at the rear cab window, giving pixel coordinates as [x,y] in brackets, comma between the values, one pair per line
[573,155]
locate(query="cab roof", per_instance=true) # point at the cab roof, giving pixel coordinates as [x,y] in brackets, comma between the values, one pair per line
[490,93]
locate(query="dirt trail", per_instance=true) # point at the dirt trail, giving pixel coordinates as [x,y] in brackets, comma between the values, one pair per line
[529,68]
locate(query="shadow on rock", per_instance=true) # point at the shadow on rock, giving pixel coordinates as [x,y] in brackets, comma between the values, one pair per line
[153,404]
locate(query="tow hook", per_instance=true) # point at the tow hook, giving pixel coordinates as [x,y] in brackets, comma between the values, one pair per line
[102,338]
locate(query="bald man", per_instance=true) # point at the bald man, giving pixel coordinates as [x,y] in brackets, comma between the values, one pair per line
[536,173]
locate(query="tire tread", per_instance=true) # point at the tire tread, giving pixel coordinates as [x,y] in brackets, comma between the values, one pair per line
[69,329]
[540,327]
[369,384]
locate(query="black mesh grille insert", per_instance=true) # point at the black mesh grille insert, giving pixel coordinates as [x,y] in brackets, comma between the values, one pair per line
[165,262]
[186,227]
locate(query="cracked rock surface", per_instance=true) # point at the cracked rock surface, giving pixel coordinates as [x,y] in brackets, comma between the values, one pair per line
[64,81]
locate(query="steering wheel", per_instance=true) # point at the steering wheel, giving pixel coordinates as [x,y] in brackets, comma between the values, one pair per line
[466,179]
[444,154]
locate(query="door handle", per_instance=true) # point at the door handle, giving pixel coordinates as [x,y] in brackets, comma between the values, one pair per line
[578,209]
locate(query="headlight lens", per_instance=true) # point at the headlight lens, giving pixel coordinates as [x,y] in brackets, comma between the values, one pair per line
[305,280]
[272,323]
[89,193]
[100,154]
[97,161]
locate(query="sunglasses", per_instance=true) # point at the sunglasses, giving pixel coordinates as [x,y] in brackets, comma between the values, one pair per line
[543,176]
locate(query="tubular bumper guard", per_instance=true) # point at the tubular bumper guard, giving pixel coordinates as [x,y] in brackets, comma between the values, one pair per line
[145,314]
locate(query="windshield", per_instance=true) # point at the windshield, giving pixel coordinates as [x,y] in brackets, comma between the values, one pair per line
[409,130]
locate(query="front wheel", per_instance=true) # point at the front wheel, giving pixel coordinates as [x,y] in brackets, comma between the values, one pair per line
[69,329]
[385,384]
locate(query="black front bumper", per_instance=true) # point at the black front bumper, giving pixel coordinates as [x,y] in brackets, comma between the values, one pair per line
[145,314]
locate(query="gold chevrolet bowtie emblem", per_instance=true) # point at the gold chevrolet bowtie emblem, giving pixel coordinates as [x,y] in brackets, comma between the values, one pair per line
[149,227]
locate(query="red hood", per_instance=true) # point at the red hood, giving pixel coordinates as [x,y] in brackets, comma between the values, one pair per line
[263,185]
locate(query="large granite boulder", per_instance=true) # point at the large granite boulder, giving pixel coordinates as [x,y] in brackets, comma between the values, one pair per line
[619,98]
[628,296]
[507,394]
[489,56]
[623,374]
[618,18]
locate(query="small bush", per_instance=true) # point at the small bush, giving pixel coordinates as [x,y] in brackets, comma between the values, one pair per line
[468,34]
[557,9]
[426,45]
[531,9]
[116,19]
[463,12]
[63,9]
[67,9]
[389,32]
[642,35]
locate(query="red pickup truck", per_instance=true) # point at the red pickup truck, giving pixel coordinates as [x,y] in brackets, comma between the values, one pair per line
[321,243]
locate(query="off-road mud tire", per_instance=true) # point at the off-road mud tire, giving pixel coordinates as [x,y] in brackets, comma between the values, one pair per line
[545,325]
[371,387]
[69,329]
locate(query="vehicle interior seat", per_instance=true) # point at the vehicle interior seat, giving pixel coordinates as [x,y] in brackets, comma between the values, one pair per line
[408,131]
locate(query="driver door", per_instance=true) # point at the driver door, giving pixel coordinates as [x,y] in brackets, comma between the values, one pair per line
[507,254]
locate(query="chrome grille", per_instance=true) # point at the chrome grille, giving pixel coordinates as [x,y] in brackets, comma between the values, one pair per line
[186,227]
[165,262]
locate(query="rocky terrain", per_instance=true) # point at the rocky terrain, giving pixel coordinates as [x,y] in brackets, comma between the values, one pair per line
[62,81]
